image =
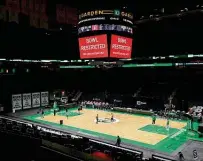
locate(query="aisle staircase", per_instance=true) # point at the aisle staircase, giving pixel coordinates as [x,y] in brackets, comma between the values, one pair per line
[77,96]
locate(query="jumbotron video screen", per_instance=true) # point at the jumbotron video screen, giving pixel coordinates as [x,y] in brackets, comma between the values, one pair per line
[105,34]
[121,47]
[93,47]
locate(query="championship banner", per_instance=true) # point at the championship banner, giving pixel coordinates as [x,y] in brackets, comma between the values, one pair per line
[44,98]
[34,6]
[27,103]
[25,7]
[13,5]
[13,16]
[60,13]
[43,23]
[31,6]
[71,16]
[34,20]
[36,99]
[43,7]
[3,15]
[37,6]
[17,101]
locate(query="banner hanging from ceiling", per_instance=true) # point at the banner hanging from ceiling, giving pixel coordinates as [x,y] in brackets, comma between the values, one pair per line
[60,13]
[71,16]
[43,22]
[3,15]
[34,20]
[66,15]
[25,7]
[43,7]
[34,6]
[17,102]
[13,5]
[13,16]
[36,99]
[44,98]
[27,101]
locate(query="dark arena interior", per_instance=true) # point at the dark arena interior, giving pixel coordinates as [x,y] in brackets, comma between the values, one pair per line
[101,81]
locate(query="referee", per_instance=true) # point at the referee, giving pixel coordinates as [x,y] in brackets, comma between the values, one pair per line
[112,118]
[97,119]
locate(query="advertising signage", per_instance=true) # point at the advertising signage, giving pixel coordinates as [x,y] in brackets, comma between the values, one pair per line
[121,47]
[106,15]
[96,13]
[93,47]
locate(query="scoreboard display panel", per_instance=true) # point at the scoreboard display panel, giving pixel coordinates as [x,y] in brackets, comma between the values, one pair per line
[121,47]
[105,33]
[105,20]
[93,47]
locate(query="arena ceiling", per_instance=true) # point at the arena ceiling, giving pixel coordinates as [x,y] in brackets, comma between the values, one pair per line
[168,35]
[138,7]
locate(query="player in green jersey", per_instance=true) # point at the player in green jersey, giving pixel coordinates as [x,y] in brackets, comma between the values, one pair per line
[167,124]
[153,119]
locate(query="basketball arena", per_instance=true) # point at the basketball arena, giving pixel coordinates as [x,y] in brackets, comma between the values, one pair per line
[135,130]
[101,82]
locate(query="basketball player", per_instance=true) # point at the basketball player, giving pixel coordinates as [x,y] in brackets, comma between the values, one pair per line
[42,113]
[154,119]
[167,124]
[112,118]
[67,113]
[97,119]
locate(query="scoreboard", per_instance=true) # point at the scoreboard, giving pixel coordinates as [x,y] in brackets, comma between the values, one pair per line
[105,20]
[110,32]
[108,15]
[93,47]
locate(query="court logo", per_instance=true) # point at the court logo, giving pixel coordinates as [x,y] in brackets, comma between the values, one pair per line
[107,120]
[178,133]
[195,155]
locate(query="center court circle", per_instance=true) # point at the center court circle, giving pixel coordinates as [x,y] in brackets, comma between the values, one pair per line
[107,120]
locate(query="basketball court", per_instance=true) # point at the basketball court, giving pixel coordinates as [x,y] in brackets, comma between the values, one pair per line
[133,129]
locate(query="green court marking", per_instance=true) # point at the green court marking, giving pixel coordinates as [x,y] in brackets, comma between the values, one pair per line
[159,129]
[70,113]
[175,137]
